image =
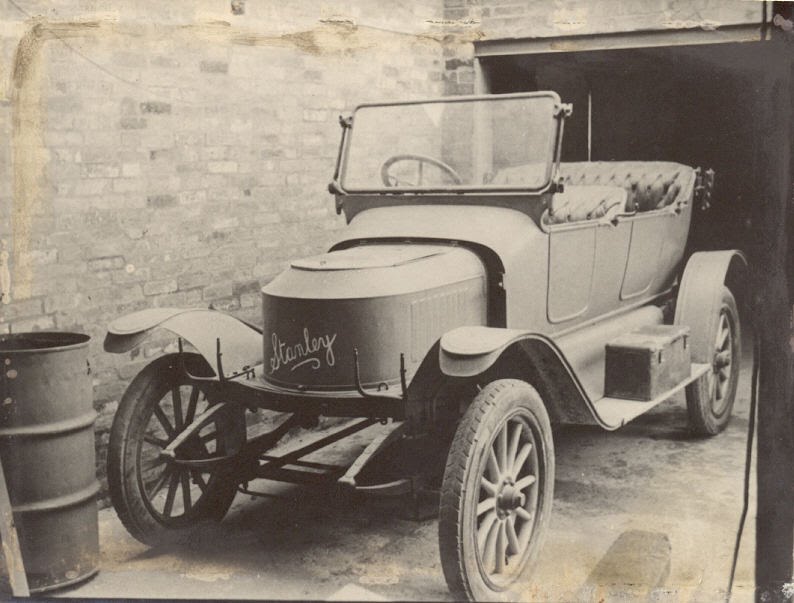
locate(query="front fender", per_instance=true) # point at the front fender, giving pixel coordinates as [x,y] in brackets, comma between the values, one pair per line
[471,351]
[215,335]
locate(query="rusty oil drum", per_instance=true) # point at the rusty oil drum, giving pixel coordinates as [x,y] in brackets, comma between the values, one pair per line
[47,448]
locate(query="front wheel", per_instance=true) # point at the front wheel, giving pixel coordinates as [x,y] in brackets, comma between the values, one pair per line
[497,493]
[156,499]
[710,398]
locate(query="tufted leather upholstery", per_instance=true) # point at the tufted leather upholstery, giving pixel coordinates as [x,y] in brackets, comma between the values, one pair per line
[649,184]
[586,203]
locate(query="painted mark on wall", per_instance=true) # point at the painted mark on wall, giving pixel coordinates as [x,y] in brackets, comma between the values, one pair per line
[5,275]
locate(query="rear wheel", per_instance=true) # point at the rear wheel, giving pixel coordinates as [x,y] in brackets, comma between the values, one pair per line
[497,493]
[710,398]
[157,499]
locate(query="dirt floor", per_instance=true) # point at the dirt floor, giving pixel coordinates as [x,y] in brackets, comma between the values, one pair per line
[646,513]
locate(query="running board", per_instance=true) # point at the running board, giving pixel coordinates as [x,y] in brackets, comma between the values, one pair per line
[616,412]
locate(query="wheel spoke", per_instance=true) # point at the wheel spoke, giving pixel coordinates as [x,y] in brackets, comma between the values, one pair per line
[501,549]
[723,328]
[185,479]
[521,458]
[524,514]
[493,466]
[484,530]
[718,389]
[712,386]
[488,486]
[501,446]
[199,480]
[513,545]
[525,482]
[173,484]
[486,505]
[489,548]
[155,462]
[192,405]
[163,419]
[155,441]
[176,398]
[723,338]
[161,481]
[208,437]
[512,451]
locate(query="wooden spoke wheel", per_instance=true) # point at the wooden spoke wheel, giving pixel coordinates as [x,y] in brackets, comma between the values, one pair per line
[497,493]
[710,399]
[156,498]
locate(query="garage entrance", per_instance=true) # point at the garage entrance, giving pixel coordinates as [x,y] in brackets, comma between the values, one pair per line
[689,104]
[727,107]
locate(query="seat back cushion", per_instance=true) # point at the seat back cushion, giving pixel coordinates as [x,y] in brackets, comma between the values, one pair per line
[649,184]
[578,203]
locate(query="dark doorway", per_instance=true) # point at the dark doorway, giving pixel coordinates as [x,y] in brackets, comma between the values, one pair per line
[728,107]
[690,104]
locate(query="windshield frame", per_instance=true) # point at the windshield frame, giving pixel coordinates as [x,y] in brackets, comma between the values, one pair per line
[553,152]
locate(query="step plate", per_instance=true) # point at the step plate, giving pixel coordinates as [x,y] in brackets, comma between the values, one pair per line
[616,412]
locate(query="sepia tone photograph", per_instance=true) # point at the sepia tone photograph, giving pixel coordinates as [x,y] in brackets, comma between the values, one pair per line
[420,300]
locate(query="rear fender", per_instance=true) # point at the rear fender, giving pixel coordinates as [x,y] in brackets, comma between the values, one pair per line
[467,352]
[218,337]
[700,294]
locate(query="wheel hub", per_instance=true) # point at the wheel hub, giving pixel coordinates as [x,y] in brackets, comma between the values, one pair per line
[508,499]
[722,359]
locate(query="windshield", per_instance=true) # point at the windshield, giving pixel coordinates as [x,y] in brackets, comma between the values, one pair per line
[501,142]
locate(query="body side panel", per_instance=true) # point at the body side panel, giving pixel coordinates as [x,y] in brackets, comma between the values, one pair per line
[579,293]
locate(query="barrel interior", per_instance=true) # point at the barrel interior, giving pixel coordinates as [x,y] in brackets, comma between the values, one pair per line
[40,341]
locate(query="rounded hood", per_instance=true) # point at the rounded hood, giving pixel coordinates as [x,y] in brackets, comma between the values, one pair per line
[382,300]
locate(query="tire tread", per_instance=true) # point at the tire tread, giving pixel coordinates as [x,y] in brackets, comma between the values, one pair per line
[701,419]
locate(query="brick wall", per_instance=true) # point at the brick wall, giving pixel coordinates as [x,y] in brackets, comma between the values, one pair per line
[176,154]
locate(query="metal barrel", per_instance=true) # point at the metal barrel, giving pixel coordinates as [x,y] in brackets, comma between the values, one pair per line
[47,449]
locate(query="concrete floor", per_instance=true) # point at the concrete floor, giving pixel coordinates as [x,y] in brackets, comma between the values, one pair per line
[620,499]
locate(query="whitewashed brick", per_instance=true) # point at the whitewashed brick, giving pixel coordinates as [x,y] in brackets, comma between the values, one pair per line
[222,167]
[129,170]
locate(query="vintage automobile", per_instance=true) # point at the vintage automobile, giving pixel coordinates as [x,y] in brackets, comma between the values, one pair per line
[481,292]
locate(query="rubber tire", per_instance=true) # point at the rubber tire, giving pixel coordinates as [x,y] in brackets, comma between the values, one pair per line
[702,419]
[144,391]
[459,488]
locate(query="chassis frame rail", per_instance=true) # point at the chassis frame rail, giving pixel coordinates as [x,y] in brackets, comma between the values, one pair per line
[251,461]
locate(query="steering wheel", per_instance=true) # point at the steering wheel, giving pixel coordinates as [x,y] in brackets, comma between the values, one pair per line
[391,180]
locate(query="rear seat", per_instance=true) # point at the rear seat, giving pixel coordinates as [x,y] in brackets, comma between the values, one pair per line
[602,189]
[578,203]
[649,184]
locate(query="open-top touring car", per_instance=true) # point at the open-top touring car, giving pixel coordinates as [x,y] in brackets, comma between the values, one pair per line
[481,292]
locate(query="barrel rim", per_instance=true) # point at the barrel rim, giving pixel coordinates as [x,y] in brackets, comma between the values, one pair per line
[42,588]
[43,342]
